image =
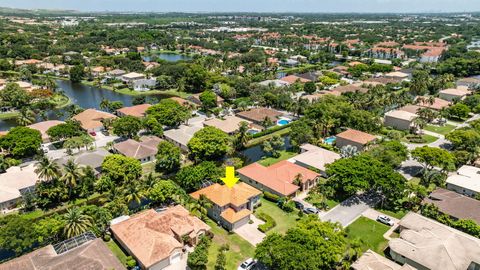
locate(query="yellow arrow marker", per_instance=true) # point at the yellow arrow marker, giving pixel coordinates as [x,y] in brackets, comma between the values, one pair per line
[230,180]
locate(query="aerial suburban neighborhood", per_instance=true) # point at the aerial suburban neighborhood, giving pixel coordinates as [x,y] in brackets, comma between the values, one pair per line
[231,138]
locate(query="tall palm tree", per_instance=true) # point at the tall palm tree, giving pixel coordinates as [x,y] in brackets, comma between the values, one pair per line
[133,193]
[242,136]
[76,222]
[47,169]
[26,117]
[72,175]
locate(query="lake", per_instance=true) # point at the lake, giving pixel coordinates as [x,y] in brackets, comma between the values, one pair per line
[170,57]
[255,153]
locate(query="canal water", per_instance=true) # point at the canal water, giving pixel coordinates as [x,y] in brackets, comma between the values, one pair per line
[170,57]
[255,153]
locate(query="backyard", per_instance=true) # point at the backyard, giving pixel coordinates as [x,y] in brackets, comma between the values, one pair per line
[370,234]
[284,155]
[283,219]
[122,257]
[239,250]
[443,130]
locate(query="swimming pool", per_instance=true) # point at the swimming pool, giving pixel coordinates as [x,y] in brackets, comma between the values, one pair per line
[330,140]
[253,131]
[283,122]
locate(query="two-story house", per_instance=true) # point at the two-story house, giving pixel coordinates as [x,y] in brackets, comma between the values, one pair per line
[231,206]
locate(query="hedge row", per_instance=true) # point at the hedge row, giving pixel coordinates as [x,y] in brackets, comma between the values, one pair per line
[271,197]
[269,222]
[270,130]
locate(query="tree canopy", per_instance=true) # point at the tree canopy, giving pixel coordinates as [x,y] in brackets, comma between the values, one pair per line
[209,143]
[21,142]
[169,113]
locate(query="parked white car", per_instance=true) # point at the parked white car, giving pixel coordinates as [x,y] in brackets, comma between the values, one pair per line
[385,220]
[247,265]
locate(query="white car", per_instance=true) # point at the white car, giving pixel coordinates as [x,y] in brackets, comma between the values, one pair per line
[247,265]
[385,220]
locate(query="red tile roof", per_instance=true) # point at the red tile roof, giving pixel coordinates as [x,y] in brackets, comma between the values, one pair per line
[278,177]
[356,136]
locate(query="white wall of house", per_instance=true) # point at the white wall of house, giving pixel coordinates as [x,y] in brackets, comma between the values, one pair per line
[397,123]
[462,190]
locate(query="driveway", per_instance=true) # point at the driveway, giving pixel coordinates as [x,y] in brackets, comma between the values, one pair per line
[410,168]
[250,232]
[349,210]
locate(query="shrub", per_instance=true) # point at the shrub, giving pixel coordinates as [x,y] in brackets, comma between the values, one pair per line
[131,262]
[270,130]
[269,222]
[271,197]
[198,259]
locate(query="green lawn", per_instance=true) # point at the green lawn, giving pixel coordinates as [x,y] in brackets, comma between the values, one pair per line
[440,129]
[284,155]
[122,257]
[332,203]
[61,101]
[148,167]
[240,249]
[396,214]
[9,115]
[260,140]
[370,234]
[283,219]
[426,139]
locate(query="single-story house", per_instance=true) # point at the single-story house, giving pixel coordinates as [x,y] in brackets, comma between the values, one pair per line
[229,124]
[455,205]
[258,115]
[196,99]
[181,136]
[93,159]
[132,76]
[136,111]
[144,84]
[350,88]
[157,239]
[143,150]
[44,126]
[399,119]
[231,206]
[452,94]
[183,102]
[355,138]
[428,244]
[91,119]
[470,82]
[279,178]
[318,95]
[410,108]
[274,83]
[291,79]
[370,260]
[116,74]
[466,181]
[14,183]
[93,254]
[314,157]
[437,104]
[397,75]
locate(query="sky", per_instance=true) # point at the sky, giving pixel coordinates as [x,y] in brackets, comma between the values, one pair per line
[360,6]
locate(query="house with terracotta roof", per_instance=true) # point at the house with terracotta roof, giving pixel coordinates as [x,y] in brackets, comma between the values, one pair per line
[136,111]
[231,206]
[44,126]
[291,79]
[91,119]
[355,138]
[400,119]
[183,102]
[143,150]
[158,239]
[437,104]
[258,115]
[195,98]
[279,178]
[132,76]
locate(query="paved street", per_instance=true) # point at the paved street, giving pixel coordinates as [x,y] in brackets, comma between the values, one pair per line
[349,210]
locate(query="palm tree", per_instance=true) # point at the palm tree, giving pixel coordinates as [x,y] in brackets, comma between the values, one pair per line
[298,180]
[72,175]
[26,117]
[47,169]
[242,137]
[348,151]
[200,207]
[133,193]
[76,222]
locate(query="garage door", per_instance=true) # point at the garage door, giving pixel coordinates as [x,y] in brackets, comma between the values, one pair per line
[175,258]
[241,222]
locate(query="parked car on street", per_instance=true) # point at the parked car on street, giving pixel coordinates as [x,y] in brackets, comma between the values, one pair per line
[247,265]
[310,210]
[385,220]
